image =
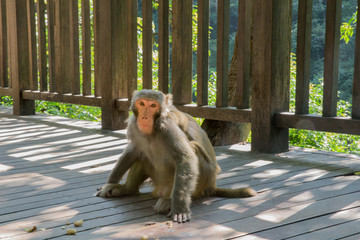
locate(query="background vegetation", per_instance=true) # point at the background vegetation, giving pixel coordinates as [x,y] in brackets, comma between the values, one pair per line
[302,138]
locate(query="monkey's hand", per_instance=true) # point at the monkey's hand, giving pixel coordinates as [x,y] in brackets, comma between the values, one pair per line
[180,217]
[111,190]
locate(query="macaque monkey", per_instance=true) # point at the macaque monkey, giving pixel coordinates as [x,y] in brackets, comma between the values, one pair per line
[170,148]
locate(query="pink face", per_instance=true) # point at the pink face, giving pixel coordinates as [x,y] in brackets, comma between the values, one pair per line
[147,109]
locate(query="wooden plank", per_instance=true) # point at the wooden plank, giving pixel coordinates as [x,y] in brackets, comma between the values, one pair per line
[208,112]
[51,44]
[64,70]
[223,114]
[318,123]
[164,45]
[74,46]
[131,48]
[202,59]
[181,59]
[270,73]
[7,91]
[147,43]
[303,52]
[356,79]
[331,57]
[86,47]
[4,79]
[222,53]
[17,23]
[288,213]
[243,90]
[41,30]
[32,45]
[338,225]
[89,100]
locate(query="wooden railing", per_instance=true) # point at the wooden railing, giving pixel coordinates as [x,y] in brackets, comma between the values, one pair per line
[40,51]
[328,121]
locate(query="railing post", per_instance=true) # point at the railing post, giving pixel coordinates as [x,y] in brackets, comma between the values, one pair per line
[270,73]
[18,44]
[111,58]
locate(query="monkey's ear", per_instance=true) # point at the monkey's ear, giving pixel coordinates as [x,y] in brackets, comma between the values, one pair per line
[134,93]
[133,100]
[168,99]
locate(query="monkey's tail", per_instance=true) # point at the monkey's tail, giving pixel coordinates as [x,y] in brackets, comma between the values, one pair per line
[235,193]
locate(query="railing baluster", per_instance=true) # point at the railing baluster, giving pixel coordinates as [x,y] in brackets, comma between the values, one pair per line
[356,80]
[331,57]
[4,80]
[303,57]
[41,28]
[51,44]
[243,90]
[32,45]
[222,61]
[74,47]
[131,47]
[86,47]
[164,45]
[181,60]
[147,43]
[203,53]
[63,62]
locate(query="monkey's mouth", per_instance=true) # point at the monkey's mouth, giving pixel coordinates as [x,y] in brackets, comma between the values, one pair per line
[145,125]
[146,128]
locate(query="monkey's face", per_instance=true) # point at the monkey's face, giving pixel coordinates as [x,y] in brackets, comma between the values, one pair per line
[147,110]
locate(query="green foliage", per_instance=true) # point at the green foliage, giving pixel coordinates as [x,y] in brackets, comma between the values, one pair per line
[211,88]
[6,101]
[347,28]
[61,109]
[69,110]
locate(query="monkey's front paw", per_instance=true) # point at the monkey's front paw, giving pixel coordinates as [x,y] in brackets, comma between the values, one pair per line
[180,217]
[162,205]
[111,190]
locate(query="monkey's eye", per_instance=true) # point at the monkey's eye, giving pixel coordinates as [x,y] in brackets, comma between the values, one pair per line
[153,105]
[142,104]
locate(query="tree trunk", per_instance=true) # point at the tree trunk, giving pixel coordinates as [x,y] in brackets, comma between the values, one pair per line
[226,133]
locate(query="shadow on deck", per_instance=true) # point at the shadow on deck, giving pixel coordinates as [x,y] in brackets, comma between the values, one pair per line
[50,168]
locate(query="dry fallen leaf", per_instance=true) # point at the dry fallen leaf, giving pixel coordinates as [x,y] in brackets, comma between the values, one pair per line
[169,224]
[78,223]
[71,231]
[150,223]
[144,238]
[30,229]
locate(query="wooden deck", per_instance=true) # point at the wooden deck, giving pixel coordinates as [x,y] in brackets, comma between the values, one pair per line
[50,168]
